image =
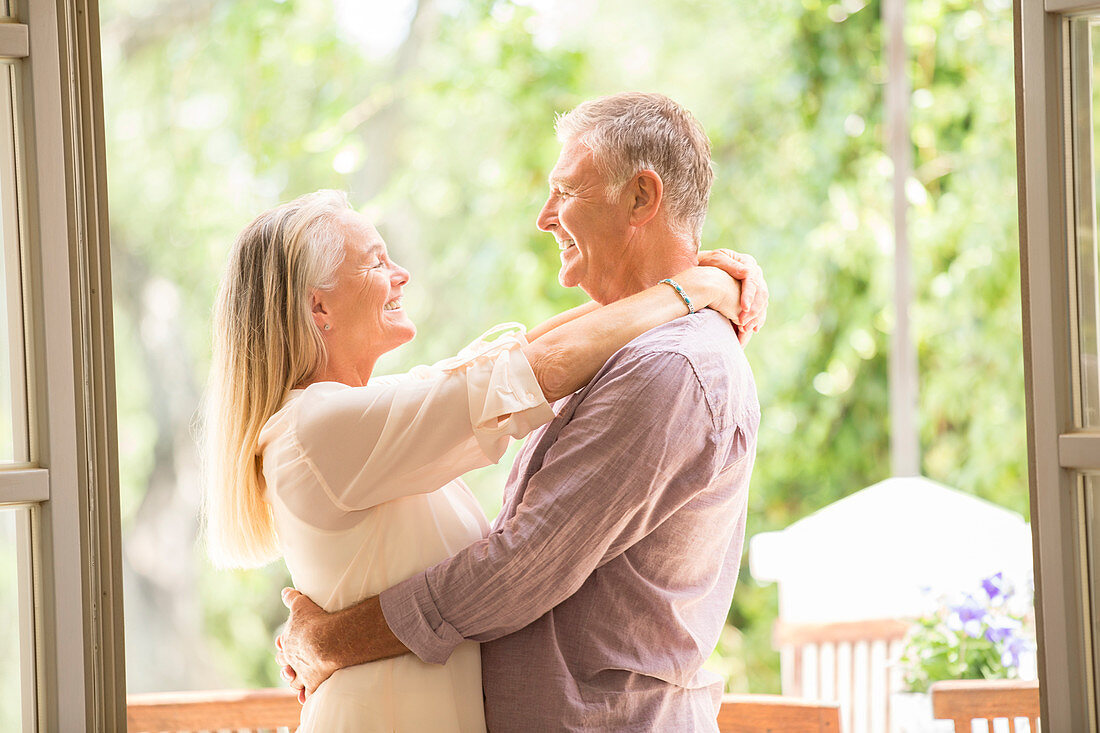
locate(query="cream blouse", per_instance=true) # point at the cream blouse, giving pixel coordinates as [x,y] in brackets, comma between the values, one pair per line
[363,483]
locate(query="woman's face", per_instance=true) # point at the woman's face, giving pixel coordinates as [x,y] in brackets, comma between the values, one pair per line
[363,310]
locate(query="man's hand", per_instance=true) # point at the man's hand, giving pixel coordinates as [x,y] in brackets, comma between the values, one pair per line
[302,646]
[754,291]
[314,644]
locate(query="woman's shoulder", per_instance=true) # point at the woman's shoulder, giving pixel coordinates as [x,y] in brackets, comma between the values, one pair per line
[314,397]
[324,409]
[335,395]
[278,423]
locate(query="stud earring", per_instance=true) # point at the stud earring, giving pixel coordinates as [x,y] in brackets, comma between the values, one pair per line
[328,326]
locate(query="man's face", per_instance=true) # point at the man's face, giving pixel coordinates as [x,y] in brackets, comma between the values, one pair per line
[590,231]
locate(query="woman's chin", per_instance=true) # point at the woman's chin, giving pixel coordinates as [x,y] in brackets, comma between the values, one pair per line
[405,331]
[393,334]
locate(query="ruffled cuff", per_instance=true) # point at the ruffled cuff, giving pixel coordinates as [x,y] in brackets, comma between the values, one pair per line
[504,397]
[412,616]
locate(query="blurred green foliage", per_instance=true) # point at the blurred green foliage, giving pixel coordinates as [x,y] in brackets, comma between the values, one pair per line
[217,109]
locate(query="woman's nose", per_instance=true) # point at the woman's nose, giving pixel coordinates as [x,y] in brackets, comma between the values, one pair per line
[399,275]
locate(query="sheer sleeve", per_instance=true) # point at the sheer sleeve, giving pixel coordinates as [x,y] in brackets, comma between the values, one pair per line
[412,435]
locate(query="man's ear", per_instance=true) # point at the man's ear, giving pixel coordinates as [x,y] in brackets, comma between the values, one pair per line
[646,191]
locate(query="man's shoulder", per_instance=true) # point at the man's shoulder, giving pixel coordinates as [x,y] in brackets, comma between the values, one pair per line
[702,348]
[706,340]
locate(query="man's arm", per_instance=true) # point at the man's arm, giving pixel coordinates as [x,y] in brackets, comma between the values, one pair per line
[639,445]
[314,644]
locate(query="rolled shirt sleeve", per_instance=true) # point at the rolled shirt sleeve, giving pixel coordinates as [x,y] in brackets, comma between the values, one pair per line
[637,447]
[411,435]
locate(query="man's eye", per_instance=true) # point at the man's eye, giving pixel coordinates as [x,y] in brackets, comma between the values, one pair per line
[376,265]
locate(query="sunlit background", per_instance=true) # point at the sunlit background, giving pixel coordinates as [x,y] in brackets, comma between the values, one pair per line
[437,117]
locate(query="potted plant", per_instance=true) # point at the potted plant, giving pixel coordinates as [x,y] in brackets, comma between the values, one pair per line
[978,635]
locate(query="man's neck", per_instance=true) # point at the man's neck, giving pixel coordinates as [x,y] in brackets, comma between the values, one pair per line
[649,265]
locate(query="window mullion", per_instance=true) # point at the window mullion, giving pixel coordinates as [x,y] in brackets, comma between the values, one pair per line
[24,486]
[1080,451]
[14,40]
[1071,7]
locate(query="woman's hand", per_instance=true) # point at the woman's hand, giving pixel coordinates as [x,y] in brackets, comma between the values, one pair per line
[714,288]
[754,291]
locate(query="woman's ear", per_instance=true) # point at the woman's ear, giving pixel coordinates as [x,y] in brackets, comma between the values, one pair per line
[647,191]
[319,310]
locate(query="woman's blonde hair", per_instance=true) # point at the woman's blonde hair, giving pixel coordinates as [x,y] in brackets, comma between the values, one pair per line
[265,342]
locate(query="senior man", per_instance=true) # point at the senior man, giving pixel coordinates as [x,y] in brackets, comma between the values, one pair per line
[607,577]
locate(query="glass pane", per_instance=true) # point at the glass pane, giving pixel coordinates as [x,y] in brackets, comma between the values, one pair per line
[1089,484]
[13,407]
[1085,96]
[15,644]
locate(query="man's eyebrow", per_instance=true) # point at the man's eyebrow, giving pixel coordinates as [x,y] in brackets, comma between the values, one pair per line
[559,182]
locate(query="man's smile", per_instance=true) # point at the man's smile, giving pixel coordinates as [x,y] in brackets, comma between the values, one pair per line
[564,244]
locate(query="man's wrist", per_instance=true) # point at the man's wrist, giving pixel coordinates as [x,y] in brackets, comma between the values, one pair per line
[357,635]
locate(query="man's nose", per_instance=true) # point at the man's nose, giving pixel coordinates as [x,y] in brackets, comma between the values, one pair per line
[548,216]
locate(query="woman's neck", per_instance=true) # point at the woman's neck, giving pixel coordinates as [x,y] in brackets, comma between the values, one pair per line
[344,371]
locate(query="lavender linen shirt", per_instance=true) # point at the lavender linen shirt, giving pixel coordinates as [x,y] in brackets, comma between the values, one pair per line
[607,577]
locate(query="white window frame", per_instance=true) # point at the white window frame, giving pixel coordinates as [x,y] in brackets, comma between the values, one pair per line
[69,541]
[1058,450]
[71,482]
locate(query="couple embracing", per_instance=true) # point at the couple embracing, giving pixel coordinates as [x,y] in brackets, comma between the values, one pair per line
[593,600]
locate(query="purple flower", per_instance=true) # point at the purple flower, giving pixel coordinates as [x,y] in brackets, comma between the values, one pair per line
[1016,646]
[971,617]
[1001,628]
[995,586]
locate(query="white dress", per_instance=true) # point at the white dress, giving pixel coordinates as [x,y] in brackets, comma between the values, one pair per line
[363,483]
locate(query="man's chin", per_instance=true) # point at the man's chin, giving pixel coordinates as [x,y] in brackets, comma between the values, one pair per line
[567,278]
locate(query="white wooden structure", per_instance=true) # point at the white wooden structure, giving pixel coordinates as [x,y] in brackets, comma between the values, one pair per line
[851,574]
[844,662]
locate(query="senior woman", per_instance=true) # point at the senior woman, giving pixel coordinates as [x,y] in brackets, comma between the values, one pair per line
[353,478]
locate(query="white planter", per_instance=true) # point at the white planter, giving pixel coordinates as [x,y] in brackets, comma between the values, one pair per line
[911,712]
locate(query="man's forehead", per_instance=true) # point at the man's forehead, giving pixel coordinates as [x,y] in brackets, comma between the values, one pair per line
[575,160]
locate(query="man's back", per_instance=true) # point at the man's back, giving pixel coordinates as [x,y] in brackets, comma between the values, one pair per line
[632,503]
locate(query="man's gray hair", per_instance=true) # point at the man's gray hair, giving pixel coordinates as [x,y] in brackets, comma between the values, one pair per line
[632,132]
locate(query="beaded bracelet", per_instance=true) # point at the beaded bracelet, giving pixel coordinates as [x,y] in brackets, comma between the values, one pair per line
[680,291]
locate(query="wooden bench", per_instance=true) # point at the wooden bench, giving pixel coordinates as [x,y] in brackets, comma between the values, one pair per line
[775,713]
[278,709]
[238,710]
[963,701]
